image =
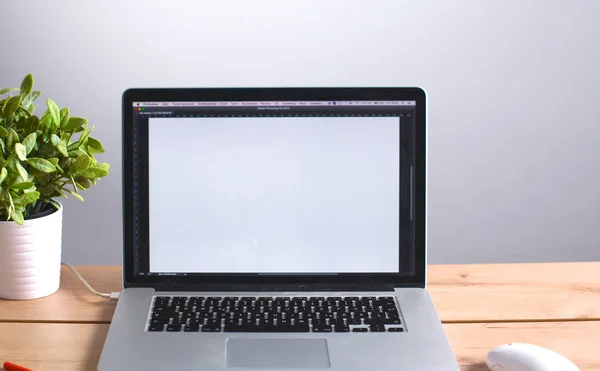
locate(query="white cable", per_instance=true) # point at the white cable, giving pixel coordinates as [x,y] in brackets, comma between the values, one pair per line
[112,296]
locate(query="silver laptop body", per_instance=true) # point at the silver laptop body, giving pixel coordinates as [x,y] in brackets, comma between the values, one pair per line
[275,229]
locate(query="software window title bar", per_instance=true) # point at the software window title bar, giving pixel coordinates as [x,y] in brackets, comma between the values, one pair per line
[275,103]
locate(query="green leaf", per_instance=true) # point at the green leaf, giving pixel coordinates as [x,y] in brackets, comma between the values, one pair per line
[83,147]
[13,138]
[22,172]
[3,174]
[3,104]
[74,123]
[54,111]
[65,162]
[62,148]
[22,185]
[9,206]
[41,164]
[29,142]
[65,115]
[27,84]
[27,102]
[6,90]
[3,132]
[53,161]
[33,124]
[11,105]
[27,198]
[74,184]
[94,146]
[75,153]
[94,172]
[82,182]
[76,195]
[104,166]
[82,163]
[84,136]
[46,125]
[17,216]
[55,140]
[21,122]
[21,151]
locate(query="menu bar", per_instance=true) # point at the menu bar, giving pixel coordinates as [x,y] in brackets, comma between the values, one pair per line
[355,103]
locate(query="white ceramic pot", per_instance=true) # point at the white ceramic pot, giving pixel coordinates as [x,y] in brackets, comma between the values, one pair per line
[30,257]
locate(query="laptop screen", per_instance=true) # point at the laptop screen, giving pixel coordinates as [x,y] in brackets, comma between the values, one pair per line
[276,187]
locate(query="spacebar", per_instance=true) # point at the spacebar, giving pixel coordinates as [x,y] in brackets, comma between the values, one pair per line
[266,328]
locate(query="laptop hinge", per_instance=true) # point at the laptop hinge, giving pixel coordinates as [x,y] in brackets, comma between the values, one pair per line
[276,287]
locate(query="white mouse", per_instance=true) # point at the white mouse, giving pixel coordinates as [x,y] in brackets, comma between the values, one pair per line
[527,357]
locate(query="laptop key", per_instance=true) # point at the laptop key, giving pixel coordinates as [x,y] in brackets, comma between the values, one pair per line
[213,323]
[284,328]
[336,321]
[319,322]
[373,321]
[192,328]
[321,328]
[354,321]
[211,328]
[156,327]
[265,328]
[179,300]
[360,329]
[176,323]
[395,329]
[193,321]
[393,314]
[377,328]
[174,328]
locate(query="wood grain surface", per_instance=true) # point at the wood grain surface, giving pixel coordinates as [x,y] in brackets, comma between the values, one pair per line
[72,302]
[516,292]
[461,293]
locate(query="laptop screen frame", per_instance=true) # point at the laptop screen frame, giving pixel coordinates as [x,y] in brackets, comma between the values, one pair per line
[131,227]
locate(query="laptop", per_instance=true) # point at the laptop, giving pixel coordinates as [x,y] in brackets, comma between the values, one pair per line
[275,229]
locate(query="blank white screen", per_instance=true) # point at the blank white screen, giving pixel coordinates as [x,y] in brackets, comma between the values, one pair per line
[274,195]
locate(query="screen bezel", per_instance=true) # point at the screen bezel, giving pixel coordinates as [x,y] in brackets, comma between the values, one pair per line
[131,226]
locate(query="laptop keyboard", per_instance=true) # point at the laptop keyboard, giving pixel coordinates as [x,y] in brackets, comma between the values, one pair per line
[275,314]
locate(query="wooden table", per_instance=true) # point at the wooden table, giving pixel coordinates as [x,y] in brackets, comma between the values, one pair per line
[555,305]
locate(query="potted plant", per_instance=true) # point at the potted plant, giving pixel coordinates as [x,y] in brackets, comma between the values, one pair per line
[41,159]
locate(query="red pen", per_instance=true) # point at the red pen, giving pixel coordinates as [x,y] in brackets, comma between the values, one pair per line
[12,367]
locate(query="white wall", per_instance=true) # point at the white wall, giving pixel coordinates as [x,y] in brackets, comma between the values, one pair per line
[513,88]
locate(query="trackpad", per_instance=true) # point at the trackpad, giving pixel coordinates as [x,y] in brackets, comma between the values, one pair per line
[277,353]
